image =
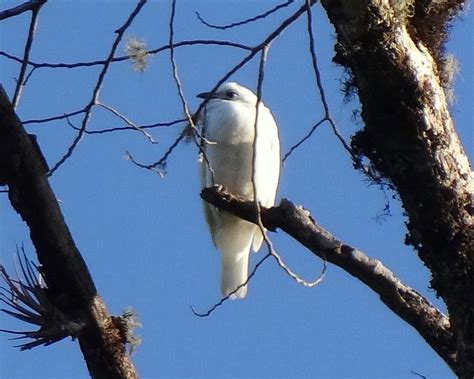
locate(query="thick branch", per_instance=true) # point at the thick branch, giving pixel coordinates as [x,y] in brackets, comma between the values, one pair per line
[408,304]
[395,56]
[70,285]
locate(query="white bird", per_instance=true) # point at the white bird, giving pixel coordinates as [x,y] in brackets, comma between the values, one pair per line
[228,122]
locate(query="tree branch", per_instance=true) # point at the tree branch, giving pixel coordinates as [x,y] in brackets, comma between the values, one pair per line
[294,220]
[258,17]
[70,285]
[31,5]
[123,58]
[100,79]
[26,53]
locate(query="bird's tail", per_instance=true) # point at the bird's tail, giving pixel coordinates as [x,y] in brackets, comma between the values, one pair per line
[234,273]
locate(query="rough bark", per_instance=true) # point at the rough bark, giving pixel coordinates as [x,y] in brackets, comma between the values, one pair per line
[395,58]
[70,285]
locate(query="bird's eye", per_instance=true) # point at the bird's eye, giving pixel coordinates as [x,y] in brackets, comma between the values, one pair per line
[230,94]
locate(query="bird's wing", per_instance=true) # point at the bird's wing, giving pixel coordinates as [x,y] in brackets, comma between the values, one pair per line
[267,164]
[206,181]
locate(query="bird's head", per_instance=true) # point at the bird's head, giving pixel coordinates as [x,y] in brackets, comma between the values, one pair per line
[231,91]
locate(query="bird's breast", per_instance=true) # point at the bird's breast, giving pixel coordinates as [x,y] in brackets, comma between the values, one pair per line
[229,122]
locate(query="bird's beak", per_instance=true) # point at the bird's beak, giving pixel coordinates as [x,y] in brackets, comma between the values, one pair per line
[205,95]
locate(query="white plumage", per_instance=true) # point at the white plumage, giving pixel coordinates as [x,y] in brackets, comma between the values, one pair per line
[229,123]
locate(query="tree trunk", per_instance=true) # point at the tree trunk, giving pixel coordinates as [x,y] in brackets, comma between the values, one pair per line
[394,55]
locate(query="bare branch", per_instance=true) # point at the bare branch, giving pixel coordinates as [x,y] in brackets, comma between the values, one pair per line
[418,374]
[54,118]
[27,78]
[126,57]
[127,121]
[31,5]
[178,82]
[319,84]
[255,50]
[101,131]
[247,21]
[408,304]
[225,298]
[302,140]
[26,53]
[95,93]
[160,165]
[121,128]
[86,110]
[327,113]
[289,271]
[268,242]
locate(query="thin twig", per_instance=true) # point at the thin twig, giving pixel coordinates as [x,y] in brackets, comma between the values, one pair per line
[195,131]
[327,114]
[418,374]
[302,140]
[160,165]
[247,21]
[95,93]
[197,42]
[319,82]
[27,78]
[202,153]
[121,128]
[225,298]
[256,49]
[261,74]
[176,77]
[54,118]
[291,273]
[26,53]
[19,9]
[253,51]
[127,121]
[268,242]
[126,57]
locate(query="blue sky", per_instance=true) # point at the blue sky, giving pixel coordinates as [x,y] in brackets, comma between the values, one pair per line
[144,238]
